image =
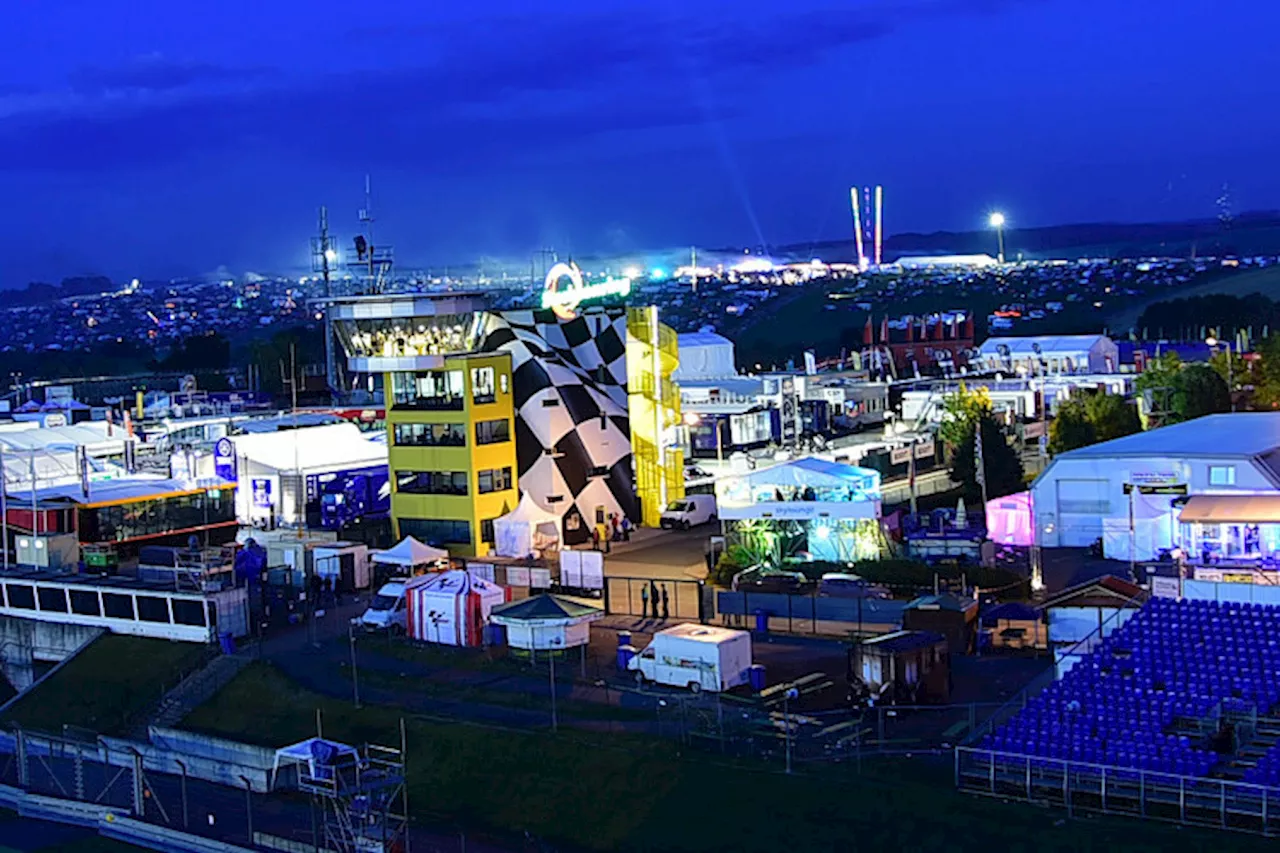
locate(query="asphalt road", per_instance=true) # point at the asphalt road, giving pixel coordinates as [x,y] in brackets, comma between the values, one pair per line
[662,554]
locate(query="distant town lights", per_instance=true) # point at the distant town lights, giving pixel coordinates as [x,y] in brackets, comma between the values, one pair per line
[631,272]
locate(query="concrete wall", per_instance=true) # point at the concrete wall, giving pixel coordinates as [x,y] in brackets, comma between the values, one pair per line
[23,642]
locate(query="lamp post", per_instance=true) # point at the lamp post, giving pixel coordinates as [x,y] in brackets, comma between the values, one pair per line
[1231,385]
[996,221]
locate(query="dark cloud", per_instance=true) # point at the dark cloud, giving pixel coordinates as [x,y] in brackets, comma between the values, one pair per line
[157,73]
[485,94]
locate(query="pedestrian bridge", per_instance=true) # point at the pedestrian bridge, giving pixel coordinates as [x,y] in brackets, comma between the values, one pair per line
[124,605]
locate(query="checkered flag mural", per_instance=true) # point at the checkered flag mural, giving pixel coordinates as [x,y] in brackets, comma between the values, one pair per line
[573,438]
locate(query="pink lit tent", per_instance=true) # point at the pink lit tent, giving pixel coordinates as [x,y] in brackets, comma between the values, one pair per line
[1009,519]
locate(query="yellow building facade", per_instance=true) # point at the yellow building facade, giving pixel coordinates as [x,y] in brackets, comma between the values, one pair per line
[451,451]
[653,403]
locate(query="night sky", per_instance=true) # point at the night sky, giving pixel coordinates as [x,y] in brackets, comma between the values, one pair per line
[158,138]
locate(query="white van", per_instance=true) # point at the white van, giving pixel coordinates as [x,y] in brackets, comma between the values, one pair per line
[689,511]
[386,611]
[699,657]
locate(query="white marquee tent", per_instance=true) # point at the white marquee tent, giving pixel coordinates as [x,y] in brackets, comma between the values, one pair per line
[528,529]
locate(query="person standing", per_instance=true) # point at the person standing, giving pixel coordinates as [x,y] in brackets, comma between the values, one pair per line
[644,601]
[666,612]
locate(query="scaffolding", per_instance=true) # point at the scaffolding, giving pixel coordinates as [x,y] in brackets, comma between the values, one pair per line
[360,794]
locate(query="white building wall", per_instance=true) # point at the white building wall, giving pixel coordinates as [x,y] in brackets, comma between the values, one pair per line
[1074,497]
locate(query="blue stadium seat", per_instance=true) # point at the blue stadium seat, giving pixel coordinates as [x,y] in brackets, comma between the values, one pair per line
[1172,662]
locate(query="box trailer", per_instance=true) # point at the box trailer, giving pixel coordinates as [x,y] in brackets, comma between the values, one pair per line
[699,657]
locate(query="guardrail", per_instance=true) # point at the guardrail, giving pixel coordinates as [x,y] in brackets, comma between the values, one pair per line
[1104,789]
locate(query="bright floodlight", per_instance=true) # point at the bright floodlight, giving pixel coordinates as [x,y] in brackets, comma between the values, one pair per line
[692,419]
[997,220]
[330,255]
[631,272]
[1211,341]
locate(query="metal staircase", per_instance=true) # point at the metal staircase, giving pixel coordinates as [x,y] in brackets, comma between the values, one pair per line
[193,691]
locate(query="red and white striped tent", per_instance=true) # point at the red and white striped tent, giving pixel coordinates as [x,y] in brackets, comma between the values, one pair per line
[450,607]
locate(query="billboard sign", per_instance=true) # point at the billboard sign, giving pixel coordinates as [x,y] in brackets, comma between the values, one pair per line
[564,289]
[262,493]
[224,459]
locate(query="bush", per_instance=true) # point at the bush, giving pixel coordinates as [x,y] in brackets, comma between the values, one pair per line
[913,573]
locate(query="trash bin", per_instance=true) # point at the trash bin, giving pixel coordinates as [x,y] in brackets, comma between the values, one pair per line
[624,638]
[762,621]
[227,642]
[755,676]
[625,654]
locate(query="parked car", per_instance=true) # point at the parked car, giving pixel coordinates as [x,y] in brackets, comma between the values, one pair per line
[786,583]
[841,585]
[689,511]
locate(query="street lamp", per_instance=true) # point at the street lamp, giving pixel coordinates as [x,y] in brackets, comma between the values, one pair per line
[996,221]
[1213,345]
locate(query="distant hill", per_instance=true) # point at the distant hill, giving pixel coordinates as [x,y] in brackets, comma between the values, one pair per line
[1250,234]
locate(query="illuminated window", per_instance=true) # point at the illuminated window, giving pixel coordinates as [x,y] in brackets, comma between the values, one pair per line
[1222,475]
[494,480]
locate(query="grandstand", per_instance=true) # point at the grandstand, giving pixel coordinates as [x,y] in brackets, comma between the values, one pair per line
[1179,707]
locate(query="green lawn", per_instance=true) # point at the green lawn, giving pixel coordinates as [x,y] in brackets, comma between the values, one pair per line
[637,794]
[105,686]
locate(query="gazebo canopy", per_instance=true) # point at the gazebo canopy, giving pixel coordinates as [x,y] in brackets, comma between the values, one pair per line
[545,609]
[410,552]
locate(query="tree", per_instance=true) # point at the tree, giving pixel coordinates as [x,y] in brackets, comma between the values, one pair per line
[960,411]
[1071,427]
[1174,392]
[1202,392]
[1111,416]
[1001,463]
[1266,374]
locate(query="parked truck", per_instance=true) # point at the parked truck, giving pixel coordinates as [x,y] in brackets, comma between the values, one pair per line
[699,657]
[352,496]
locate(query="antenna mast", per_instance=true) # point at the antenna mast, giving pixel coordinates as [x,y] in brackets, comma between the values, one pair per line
[379,259]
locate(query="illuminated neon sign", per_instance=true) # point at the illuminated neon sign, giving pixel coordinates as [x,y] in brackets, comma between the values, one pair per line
[564,300]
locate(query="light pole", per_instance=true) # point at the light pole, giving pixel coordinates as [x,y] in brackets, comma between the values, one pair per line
[1231,385]
[792,693]
[996,221]
[355,675]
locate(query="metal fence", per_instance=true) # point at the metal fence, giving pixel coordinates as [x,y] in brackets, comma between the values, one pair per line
[810,614]
[655,599]
[1095,788]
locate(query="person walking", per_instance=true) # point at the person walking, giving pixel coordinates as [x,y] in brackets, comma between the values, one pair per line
[644,601]
[626,529]
[666,612]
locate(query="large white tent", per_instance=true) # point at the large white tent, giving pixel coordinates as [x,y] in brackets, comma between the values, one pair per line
[526,530]
[450,607]
[410,553]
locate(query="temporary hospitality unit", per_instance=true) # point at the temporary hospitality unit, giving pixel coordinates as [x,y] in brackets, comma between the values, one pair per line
[526,530]
[1009,520]
[450,607]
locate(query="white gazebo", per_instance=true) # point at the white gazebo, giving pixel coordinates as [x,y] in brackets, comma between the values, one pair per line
[528,530]
[410,554]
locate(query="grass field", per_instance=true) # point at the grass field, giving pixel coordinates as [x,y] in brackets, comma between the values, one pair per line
[638,794]
[105,686]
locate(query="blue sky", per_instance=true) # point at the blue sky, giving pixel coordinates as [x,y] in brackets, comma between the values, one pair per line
[141,137]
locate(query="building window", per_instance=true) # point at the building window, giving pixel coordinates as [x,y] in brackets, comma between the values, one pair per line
[550,402]
[486,531]
[431,482]
[53,598]
[430,435]
[494,480]
[429,390]
[117,605]
[1222,475]
[502,382]
[436,531]
[482,388]
[85,603]
[21,596]
[493,432]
